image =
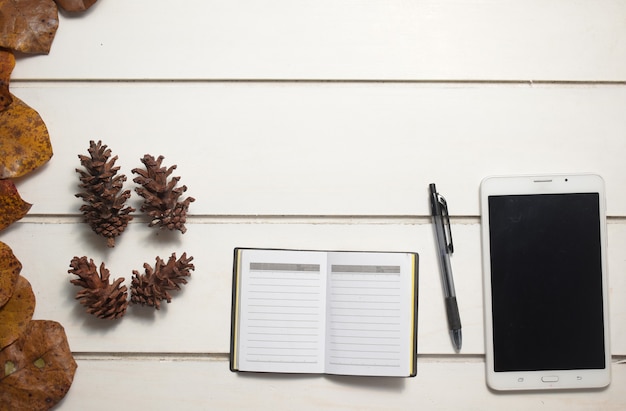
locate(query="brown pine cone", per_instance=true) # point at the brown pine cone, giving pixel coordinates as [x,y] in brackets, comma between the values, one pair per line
[105,211]
[103,299]
[154,285]
[161,196]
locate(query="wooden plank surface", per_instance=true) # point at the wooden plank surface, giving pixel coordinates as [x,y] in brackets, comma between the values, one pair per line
[198,319]
[330,149]
[208,385]
[314,124]
[348,40]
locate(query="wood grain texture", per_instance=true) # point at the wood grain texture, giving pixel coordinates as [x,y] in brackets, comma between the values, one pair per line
[330,149]
[198,319]
[208,385]
[316,125]
[482,40]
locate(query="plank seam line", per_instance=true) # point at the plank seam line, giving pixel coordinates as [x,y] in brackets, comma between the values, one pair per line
[153,356]
[282,219]
[478,82]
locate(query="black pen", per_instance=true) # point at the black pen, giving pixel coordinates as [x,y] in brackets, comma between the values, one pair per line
[441,221]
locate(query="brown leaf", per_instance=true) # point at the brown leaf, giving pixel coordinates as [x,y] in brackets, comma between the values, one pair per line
[7,62]
[24,140]
[12,207]
[75,5]
[37,370]
[28,26]
[10,268]
[16,313]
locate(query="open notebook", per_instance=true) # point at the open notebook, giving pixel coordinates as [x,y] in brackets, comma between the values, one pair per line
[351,313]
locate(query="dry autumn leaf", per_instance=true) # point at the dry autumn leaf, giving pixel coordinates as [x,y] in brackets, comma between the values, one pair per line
[12,207]
[7,63]
[75,5]
[28,26]
[24,140]
[37,370]
[16,313]
[10,268]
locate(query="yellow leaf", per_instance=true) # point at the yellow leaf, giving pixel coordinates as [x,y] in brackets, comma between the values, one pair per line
[12,207]
[10,268]
[7,62]
[24,140]
[15,315]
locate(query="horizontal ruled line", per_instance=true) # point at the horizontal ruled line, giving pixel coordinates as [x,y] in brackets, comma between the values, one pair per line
[301,342]
[278,320]
[289,334]
[366,364]
[364,295]
[365,344]
[306,331]
[284,348]
[258,278]
[280,313]
[363,322]
[365,302]
[364,308]
[362,336]
[367,351]
[361,316]
[279,326]
[285,355]
[281,362]
[364,358]
[365,329]
[369,280]
[253,284]
[282,306]
[284,292]
[282,299]
[367,288]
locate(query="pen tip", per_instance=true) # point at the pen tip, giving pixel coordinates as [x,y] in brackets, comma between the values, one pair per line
[457,339]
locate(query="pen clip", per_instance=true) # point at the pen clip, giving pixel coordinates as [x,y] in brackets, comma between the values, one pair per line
[446,219]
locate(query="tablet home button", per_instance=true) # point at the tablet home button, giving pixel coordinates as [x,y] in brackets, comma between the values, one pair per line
[552,378]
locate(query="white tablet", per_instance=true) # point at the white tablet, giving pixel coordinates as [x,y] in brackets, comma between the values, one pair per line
[545,282]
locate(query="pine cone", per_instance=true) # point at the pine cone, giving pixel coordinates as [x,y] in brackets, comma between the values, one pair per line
[103,299]
[152,287]
[105,211]
[161,197]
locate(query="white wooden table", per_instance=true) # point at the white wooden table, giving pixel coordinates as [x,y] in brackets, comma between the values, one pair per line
[314,124]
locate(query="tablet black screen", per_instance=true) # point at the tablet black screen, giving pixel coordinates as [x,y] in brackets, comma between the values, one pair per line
[546,279]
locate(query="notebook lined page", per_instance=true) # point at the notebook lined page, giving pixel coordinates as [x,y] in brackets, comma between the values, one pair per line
[369,321]
[282,312]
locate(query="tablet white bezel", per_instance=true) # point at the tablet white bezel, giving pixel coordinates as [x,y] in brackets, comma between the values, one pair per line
[542,184]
